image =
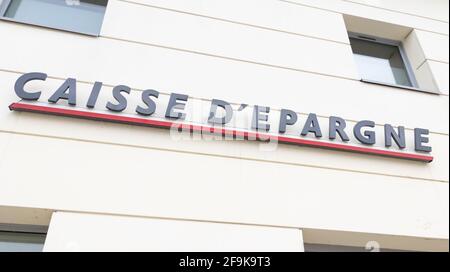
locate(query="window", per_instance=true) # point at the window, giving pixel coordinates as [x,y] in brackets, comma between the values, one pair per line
[22,238]
[82,16]
[21,242]
[381,61]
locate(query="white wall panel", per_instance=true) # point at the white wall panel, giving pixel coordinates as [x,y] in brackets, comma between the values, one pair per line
[428,55]
[184,31]
[4,140]
[414,50]
[435,46]
[269,14]
[440,73]
[425,78]
[433,75]
[432,9]
[78,176]
[377,14]
[95,232]
[155,138]
[141,66]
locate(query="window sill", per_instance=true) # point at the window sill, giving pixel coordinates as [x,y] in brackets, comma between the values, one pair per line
[400,86]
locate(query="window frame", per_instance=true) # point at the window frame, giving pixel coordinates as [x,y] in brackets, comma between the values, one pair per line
[4,7]
[399,45]
[33,229]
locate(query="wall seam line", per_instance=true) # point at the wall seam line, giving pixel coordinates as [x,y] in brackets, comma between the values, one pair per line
[221,156]
[287,226]
[228,58]
[334,11]
[396,11]
[439,61]
[421,64]
[177,219]
[235,22]
[239,60]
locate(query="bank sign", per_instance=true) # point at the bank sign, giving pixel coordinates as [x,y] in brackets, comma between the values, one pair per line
[218,117]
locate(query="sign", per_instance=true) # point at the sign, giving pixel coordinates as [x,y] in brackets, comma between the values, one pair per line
[221,118]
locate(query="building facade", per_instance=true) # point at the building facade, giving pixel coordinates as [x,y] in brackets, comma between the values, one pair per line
[213,125]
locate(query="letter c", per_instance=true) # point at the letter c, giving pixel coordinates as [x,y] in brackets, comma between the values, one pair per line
[23,80]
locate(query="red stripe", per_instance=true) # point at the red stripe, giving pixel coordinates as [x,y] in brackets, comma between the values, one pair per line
[219,131]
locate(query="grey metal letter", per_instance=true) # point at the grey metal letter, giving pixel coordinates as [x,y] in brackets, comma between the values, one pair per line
[174,104]
[94,94]
[117,93]
[337,126]
[287,117]
[390,133]
[312,125]
[23,80]
[419,140]
[215,103]
[151,105]
[260,114]
[369,136]
[67,91]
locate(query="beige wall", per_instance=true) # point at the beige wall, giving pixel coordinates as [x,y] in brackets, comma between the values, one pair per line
[94,232]
[283,54]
